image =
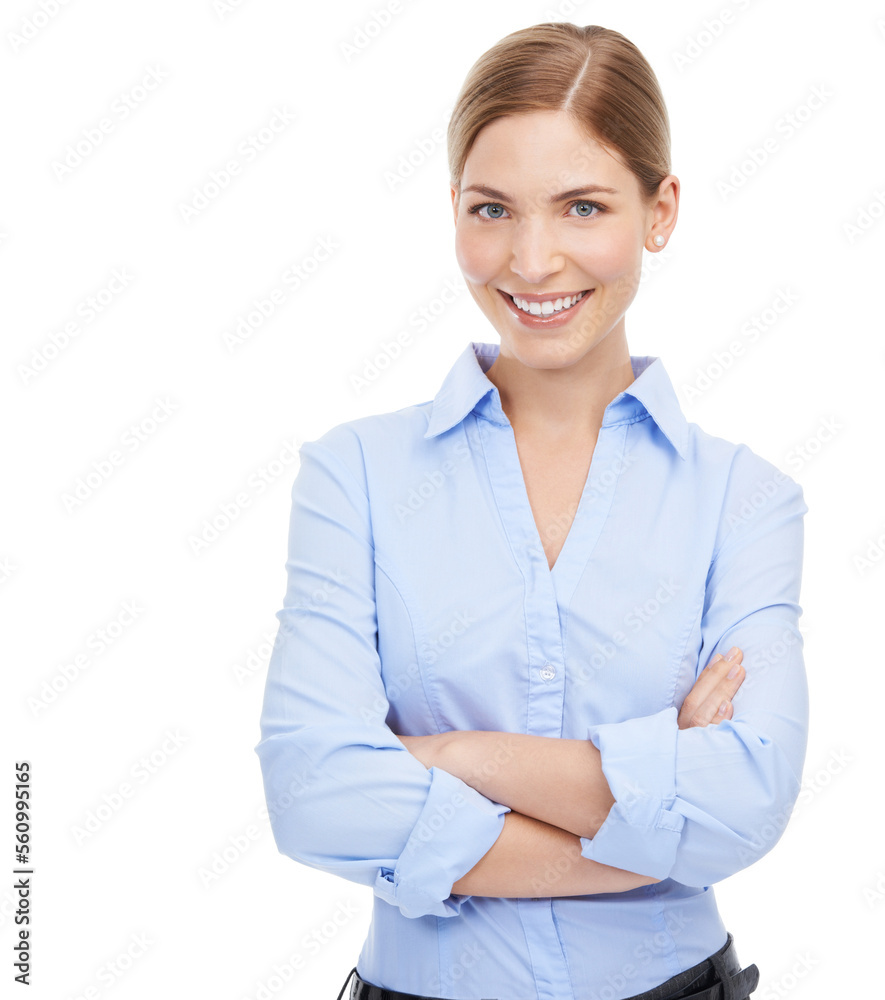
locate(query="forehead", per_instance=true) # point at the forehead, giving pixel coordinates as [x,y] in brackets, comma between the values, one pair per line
[539,152]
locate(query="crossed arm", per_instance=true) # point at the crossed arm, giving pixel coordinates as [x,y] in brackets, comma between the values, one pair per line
[557,793]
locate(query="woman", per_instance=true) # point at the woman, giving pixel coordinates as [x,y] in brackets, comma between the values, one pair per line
[509,690]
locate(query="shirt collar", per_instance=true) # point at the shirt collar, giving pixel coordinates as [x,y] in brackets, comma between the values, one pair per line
[466,389]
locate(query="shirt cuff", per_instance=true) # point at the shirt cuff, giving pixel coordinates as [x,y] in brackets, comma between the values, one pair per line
[457,826]
[641,832]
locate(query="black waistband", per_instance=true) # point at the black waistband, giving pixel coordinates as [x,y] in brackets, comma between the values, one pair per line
[718,977]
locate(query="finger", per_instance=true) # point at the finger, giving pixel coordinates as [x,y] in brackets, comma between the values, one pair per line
[712,688]
[721,658]
[723,713]
[711,677]
[717,705]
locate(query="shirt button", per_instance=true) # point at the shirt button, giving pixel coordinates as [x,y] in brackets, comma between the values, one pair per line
[547,672]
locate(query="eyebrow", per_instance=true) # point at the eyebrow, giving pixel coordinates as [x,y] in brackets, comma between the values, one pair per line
[491,192]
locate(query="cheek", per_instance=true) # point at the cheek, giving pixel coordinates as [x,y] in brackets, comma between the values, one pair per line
[608,256]
[478,255]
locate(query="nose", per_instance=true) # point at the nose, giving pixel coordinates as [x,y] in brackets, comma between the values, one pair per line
[534,254]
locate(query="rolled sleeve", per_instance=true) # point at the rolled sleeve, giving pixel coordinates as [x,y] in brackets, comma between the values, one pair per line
[699,804]
[642,828]
[344,795]
[457,826]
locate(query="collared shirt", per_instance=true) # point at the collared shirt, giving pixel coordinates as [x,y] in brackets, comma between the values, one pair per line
[420,600]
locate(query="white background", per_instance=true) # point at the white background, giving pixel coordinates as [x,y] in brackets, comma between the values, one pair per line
[191,658]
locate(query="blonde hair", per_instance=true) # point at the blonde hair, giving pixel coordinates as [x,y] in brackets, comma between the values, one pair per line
[594,74]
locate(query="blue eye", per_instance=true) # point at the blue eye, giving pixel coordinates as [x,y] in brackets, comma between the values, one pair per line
[486,204]
[592,204]
[493,205]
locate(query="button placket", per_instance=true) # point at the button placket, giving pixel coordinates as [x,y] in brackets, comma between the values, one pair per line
[544,650]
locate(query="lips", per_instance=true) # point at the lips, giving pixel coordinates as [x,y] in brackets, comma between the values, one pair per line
[550,320]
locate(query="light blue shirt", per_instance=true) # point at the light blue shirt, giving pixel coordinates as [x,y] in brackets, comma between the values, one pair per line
[419,600]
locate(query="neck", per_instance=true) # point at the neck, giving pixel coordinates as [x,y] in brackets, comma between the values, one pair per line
[562,402]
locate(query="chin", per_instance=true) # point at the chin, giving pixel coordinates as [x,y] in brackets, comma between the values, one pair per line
[542,351]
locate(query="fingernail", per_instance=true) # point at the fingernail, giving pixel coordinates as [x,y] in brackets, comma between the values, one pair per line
[732,653]
[733,672]
[723,708]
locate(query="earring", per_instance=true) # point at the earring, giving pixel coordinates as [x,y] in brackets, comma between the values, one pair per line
[659,240]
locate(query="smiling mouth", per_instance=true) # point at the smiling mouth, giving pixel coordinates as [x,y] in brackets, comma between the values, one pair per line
[548,306]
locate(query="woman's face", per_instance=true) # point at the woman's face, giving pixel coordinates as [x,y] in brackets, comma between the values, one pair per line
[512,240]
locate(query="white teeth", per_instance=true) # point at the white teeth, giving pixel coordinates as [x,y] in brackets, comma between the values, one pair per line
[548,306]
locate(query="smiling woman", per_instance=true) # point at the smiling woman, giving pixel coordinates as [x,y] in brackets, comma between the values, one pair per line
[511,249]
[518,713]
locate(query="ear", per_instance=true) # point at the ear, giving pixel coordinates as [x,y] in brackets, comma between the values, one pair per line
[455,202]
[665,209]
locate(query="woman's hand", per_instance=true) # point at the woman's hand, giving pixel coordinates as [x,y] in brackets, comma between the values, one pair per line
[709,701]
